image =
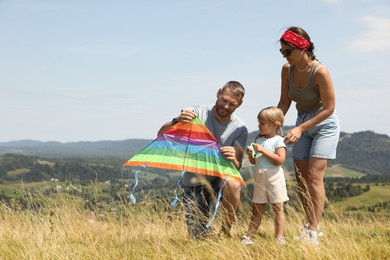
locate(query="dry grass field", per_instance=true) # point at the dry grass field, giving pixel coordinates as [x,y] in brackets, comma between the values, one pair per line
[64,229]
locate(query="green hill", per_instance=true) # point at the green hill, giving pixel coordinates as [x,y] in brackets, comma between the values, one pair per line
[372,200]
[366,152]
[338,171]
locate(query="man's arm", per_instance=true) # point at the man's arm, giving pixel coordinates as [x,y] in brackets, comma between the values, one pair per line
[164,127]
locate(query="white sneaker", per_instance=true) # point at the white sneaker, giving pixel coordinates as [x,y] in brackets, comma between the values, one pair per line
[308,236]
[281,240]
[319,232]
[247,241]
[313,237]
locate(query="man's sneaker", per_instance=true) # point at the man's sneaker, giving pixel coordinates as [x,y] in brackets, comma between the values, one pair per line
[281,240]
[247,241]
[319,232]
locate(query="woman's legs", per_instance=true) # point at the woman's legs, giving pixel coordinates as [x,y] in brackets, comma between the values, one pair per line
[310,177]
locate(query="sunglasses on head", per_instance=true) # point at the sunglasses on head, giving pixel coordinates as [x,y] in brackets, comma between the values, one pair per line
[286,52]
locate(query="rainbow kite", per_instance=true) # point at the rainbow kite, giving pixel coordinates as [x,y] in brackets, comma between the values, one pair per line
[187,147]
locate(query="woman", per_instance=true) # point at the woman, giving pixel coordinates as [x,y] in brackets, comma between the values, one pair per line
[315,136]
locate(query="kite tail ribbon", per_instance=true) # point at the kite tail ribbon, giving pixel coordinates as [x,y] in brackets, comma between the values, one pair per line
[173,203]
[132,197]
[217,205]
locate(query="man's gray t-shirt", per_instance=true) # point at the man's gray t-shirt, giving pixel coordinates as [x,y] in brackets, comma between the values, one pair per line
[234,133]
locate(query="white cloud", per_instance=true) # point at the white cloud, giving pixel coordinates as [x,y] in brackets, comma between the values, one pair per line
[375,38]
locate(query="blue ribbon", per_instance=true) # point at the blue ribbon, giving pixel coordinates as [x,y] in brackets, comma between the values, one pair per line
[132,197]
[217,205]
[173,203]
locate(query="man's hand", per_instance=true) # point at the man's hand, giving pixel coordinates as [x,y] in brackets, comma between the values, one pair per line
[229,152]
[186,116]
[232,155]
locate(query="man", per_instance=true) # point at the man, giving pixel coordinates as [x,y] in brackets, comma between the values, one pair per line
[232,134]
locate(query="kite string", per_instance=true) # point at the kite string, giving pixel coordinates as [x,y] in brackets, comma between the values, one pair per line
[217,205]
[173,203]
[132,197]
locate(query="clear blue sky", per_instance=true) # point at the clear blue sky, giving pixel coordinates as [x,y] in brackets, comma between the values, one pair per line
[90,70]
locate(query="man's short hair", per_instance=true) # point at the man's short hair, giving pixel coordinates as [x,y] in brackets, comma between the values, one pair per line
[237,88]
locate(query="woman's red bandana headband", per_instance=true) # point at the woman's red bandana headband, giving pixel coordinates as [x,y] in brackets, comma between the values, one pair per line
[296,40]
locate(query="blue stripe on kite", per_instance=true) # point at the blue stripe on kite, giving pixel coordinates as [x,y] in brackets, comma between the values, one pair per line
[193,149]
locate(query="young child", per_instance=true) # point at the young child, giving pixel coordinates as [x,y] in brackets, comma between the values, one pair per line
[268,153]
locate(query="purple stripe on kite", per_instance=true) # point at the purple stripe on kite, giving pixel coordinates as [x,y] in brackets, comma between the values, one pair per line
[185,140]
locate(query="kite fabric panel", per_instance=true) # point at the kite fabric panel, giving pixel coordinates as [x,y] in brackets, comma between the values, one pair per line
[187,147]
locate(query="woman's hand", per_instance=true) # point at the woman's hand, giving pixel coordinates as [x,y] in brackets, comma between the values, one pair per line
[293,135]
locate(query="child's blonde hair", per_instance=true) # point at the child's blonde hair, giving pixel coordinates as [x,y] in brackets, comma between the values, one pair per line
[273,115]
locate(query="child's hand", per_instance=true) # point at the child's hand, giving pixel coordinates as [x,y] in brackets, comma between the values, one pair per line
[249,150]
[251,154]
[252,149]
[258,148]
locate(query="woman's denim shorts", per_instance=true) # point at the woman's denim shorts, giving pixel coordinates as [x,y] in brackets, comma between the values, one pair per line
[320,141]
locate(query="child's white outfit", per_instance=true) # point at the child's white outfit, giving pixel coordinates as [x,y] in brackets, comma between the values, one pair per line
[270,183]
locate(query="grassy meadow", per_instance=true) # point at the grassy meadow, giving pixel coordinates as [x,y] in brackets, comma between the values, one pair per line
[64,229]
[378,193]
[339,171]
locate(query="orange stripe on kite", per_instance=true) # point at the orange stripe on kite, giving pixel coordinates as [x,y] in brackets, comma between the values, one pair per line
[181,168]
[195,131]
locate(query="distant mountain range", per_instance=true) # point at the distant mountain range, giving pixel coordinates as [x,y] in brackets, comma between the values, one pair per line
[122,149]
[366,151]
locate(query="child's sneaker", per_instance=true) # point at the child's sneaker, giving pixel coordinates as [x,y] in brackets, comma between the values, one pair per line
[247,241]
[281,240]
